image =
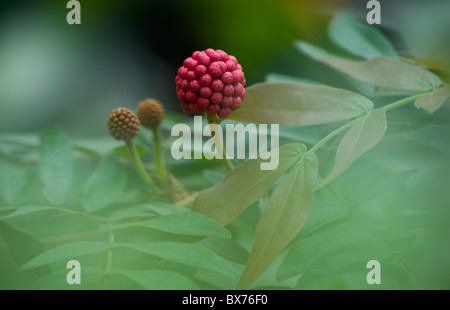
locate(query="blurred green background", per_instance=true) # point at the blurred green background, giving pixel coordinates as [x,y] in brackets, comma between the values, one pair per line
[72,76]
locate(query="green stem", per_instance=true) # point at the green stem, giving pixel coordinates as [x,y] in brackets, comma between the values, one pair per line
[134,156]
[332,135]
[400,102]
[212,119]
[109,255]
[349,124]
[159,154]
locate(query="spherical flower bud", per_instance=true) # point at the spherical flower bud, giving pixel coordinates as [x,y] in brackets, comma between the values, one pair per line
[123,124]
[151,112]
[212,81]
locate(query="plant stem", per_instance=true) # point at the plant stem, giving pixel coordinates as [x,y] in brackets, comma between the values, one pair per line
[212,119]
[131,146]
[109,255]
[400,102]
[349,124]
[332,135]
[159,154]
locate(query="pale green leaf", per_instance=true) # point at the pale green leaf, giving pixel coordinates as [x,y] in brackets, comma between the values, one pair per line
[55,166]
[282,218]
[430,102]
[275,77]
[364,134]
[359,39]
[191,224]
[105,185]
[298,104]
[228,249]
[185,253]
[382,71]
[243,185]
[57,280]
[13,179]
[66,251]
[158,279]
[26,210]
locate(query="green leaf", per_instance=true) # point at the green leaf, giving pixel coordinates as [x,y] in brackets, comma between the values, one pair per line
[105,185]
[275,77]
[158,279]
[26,210]
[55,166]
[364,134]
[22,245]
[297,104]
[359,39]
[66,251]
[228,249]
[184,253]
[243,186]
[191,224]
[432,101]
[137,211]
[58,281]
[283,217]
[382,71]
[13,179]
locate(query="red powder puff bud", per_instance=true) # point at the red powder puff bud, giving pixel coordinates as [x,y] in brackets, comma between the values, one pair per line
[216,98]
[200,70]
[192,65]
[202,102]
[190,75]
[231,66]
[228,90]
[123,124]
[223,66]
[227,102]
[195,55]
[203,59]
[233,59]
[205,92]
[187,61]
[206,80]
[236,103]
[182,72]
[238,89]
[215,57]
[191,96]
[217,85]
[244,82]
[223,55]
[184,85]
[181,95]
[227,78]
[243,94]
[214,108]
[236,76]
[212,81]
[224,112]
[194,86]
[215,69]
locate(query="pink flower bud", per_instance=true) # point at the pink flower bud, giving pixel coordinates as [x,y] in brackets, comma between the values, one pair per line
[217,85]
[228,90]
[216,98]
[205,92]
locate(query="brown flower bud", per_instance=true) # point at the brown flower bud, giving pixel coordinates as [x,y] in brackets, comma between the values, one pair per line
[123,124]
[150,113]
